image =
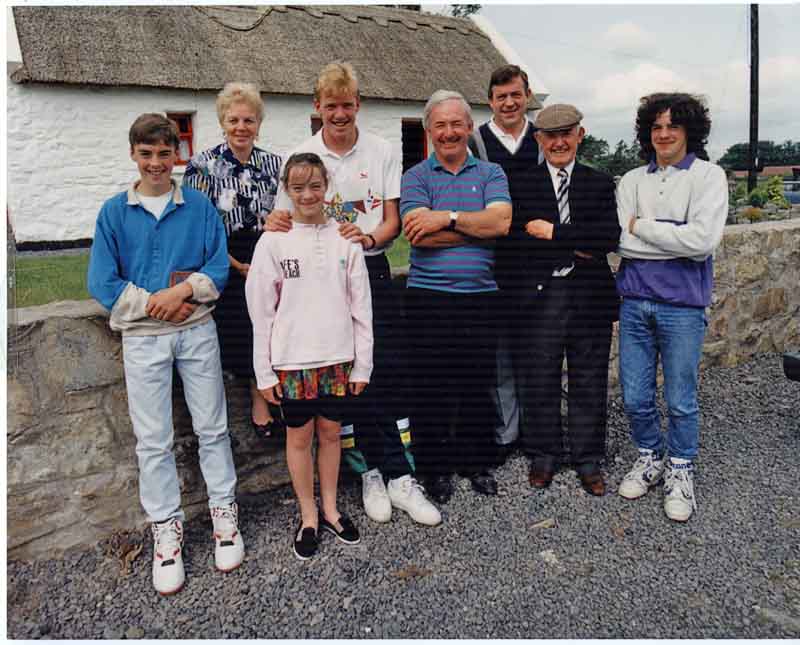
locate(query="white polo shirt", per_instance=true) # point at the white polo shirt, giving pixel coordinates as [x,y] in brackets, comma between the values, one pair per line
[358,181]
[509,141]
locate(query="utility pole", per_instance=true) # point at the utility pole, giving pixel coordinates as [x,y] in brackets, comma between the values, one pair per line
[753,161]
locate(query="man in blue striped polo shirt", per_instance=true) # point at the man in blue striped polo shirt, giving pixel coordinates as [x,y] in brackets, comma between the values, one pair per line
[453,206]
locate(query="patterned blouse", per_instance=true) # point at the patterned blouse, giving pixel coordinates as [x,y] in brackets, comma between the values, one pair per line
[241,193]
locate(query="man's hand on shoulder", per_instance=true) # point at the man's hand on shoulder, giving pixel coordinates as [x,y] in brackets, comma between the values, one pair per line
[354,234]
[421,222]
[168,303]
[278,221]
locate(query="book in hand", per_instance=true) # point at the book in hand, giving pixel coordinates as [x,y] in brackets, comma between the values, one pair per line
[176,277]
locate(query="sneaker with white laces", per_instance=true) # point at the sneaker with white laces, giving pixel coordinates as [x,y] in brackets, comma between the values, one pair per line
[168,575]
[646,473]
[408,495]
[229,546]
[376,500]
[679,501]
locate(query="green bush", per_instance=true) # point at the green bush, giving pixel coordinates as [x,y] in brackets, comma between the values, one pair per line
[774,192]
[740,192]
[758,198]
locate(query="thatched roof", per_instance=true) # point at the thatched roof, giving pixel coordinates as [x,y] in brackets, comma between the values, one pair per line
[398,54]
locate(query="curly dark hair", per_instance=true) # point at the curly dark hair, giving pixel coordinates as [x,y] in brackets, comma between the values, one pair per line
[688,110]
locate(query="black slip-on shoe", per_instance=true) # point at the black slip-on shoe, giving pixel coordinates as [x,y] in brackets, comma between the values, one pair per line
[348,533]
[305,542]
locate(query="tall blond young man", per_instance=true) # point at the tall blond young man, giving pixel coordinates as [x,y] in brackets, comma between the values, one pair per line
[363,195]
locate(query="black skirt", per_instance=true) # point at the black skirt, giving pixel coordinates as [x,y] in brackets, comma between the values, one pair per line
[234,328]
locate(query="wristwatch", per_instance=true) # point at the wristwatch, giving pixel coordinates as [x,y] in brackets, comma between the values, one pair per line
[453,219]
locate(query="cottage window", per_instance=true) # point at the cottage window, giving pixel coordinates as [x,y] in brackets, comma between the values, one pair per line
[415,143]
[185,133]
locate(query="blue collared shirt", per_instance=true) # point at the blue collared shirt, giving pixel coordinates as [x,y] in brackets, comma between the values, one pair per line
[131,245]
[461,269]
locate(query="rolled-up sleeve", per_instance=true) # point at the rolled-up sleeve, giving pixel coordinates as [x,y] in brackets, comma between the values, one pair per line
[414,191]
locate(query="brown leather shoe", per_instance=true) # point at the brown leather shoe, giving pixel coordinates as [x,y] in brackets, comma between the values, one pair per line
[540,478]
[593,483]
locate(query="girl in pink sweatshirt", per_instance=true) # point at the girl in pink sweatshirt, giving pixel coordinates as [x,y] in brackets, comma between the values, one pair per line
[309,301]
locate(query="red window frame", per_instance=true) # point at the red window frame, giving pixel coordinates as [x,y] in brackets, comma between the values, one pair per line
[185,133]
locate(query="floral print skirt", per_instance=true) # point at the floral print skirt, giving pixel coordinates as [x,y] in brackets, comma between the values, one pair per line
[316,382]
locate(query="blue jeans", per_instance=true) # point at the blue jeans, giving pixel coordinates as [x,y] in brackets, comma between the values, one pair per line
[148,377]
[647,330]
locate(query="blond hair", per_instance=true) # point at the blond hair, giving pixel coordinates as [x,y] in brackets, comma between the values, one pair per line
[336,79]
[236,92]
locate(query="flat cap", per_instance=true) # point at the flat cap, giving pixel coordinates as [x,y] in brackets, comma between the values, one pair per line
[559,116]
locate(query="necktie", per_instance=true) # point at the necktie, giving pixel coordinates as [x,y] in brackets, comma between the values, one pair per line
[563,196]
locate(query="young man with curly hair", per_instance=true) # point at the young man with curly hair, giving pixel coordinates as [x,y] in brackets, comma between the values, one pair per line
[672,212]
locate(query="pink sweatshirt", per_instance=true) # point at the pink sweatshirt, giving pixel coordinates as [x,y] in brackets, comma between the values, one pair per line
[309,300]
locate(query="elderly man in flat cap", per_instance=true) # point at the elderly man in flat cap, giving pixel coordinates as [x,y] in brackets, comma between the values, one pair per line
[564,223]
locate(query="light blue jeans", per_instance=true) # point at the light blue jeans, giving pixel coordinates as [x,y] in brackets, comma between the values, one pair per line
[647,330]
[148,377]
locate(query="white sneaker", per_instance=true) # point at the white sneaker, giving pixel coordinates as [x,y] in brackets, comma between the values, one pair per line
[406,494]
[168,575]
[229,546]
[679,501]
[376,500]
[646,473]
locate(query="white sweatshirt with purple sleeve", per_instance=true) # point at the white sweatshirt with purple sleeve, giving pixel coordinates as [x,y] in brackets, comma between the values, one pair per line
[309,301]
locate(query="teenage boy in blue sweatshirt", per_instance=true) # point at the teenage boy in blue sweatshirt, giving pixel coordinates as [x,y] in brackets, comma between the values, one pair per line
[159,262]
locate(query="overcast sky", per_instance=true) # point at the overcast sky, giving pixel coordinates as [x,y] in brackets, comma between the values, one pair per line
[603,58]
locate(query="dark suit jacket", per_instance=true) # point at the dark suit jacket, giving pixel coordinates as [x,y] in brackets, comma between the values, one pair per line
[525,264]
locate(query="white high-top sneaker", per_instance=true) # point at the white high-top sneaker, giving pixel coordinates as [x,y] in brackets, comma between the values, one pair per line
[376,501]
[679,500]
[407,495]
[229,546]
[168,575]
[646,473]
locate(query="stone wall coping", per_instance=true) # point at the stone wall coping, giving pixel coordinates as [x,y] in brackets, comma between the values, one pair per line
[769,225]
[25,316]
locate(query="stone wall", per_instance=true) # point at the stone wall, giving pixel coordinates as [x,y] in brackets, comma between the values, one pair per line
[72,476]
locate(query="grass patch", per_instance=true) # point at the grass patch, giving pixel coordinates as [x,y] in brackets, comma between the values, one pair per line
[48,278]
[397,253]
[43,279]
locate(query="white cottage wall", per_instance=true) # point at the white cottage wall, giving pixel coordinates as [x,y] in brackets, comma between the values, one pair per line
[68,146]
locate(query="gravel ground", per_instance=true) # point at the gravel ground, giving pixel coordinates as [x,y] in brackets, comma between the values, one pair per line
[596,568]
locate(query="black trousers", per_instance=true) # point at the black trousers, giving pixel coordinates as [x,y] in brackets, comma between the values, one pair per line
[451,342]
[560,324]
[376,412]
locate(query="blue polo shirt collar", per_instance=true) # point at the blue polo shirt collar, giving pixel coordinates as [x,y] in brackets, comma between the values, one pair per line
[683,164]
[437,165]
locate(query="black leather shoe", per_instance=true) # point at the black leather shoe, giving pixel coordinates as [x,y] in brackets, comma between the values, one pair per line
[484,483]
[540,478]
[504,451]
[439,488]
